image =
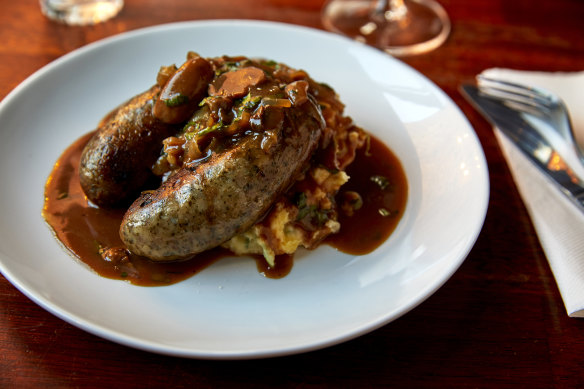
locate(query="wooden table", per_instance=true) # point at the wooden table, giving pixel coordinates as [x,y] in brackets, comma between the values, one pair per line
[499,321]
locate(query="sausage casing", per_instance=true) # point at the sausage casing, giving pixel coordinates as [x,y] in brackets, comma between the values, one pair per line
[117,160]
[206,203]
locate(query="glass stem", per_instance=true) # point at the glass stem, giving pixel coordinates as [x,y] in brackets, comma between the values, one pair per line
[390,10]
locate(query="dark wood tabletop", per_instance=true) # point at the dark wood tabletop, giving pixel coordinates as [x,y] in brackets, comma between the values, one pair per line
[498,322]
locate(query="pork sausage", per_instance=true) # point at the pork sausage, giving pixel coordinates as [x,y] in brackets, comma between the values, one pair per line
[117,160]
[204,204]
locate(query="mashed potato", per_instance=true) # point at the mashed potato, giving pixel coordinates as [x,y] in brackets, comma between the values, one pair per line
[285,229]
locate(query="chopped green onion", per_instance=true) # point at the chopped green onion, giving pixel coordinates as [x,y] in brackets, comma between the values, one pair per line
[356,203]
[271,63]
[321,216]
[176,100]
[384,212]
[249,102]
[215,127]
[381,181]
[205,101]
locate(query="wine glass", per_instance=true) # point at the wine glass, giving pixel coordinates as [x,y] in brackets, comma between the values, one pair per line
[400,27]
[81,12]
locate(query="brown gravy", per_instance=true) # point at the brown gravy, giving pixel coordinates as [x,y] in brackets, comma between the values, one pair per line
[86,231]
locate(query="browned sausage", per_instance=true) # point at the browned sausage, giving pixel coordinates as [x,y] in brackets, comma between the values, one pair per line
[203,205]
[117,160]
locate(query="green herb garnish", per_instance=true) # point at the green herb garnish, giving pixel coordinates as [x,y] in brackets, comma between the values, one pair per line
[176,100]
[270,62]
[381,181]
[249,103]
[312,212]
[384,212]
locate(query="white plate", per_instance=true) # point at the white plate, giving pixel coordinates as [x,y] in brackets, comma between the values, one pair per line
[229,311]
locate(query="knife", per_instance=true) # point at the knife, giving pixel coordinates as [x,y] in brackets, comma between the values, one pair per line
[530,141]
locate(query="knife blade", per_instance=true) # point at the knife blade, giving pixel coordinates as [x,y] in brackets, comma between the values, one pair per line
[530,141]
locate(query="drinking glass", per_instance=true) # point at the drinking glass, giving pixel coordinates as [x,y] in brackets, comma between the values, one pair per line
[400,27]
[81,12]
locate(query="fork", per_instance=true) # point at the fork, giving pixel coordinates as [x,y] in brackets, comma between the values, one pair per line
[537,102]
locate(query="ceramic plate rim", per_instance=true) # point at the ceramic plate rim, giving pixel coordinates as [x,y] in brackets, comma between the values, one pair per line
[413,130]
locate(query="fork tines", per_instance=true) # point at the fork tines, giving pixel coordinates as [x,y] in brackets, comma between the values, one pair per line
[525,98]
